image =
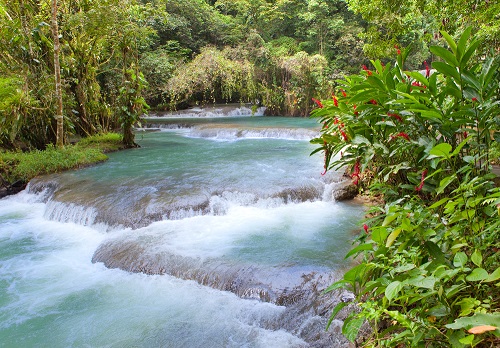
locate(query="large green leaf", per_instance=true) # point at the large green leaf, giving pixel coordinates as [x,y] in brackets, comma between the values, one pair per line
[460,259]
[493,276]
[477,319]
[393,289]
[351,328]
[447,56]
[441,150]
[477,275]
[446,70]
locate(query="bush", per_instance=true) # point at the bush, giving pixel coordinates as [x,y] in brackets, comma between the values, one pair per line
[430,269]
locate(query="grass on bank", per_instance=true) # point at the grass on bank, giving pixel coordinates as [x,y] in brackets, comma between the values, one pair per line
[24,166]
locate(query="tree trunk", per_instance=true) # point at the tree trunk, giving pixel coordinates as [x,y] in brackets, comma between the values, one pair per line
[57,71]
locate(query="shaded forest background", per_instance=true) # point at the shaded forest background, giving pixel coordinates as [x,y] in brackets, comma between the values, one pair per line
[120,57]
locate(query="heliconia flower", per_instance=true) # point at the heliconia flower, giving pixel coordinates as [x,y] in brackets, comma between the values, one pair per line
[365,68]
[335,101]
[365,227]
[427,70]
[357,171]
[344,94]
[396,116]
[344,135]
[402,135]
[419,187]
[317,102]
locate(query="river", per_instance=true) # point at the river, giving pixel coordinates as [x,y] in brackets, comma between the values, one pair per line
[216,232]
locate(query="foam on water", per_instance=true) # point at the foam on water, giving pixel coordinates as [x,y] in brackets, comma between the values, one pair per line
[52,295]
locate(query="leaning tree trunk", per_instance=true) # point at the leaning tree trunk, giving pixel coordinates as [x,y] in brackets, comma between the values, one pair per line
[57,72]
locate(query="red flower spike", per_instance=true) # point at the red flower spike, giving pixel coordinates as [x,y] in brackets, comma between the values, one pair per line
[373,101]
[474,100]
[365,227]
[396,116]
[355,174]
[401,135]
[399,52]
[424,174]
[317,102]
[344,94]
[367,71]
[344,135]
[335,101]
[427,70]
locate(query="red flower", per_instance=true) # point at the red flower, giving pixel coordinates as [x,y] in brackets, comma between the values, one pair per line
[335,101]
[365,227]
[424,174]
[367,71]
[357,171]
[317,102]
[355,112]
[427,70]
[373,101]
[336,121]
[325,125]
[399,52]
[344,135]
[396,116]
[344,94]
[474,100]
[402,135]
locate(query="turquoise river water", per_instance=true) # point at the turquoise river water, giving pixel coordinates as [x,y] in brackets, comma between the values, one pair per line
[216,232]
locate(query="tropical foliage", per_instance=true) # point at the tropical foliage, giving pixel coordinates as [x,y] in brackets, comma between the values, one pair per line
[429,266]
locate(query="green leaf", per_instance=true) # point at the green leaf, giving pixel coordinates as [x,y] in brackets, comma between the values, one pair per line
[351,328]
[393,289]
[460,259]
[440,150]
[359,248]
[379,234]
[477,258]
[462,42]
[449,40]
[477,319]
[337,285]
[493,276]
[447,56]
[392,237]
[337,309]
[477,275]
[444,183]
[467,339]
[439,203]
[446,70]
[435,252]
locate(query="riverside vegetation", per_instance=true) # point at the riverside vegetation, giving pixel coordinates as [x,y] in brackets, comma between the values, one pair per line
[18,168]
[429,268]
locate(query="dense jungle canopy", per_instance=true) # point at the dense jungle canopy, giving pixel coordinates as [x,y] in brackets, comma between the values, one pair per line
[117,58]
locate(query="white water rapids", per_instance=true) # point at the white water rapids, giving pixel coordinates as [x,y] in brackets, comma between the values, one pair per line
[188,241]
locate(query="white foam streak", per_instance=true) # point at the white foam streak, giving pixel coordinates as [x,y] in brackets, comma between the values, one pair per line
[231,134]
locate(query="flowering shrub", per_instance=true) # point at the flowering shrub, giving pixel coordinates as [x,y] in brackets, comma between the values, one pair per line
[430,268]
